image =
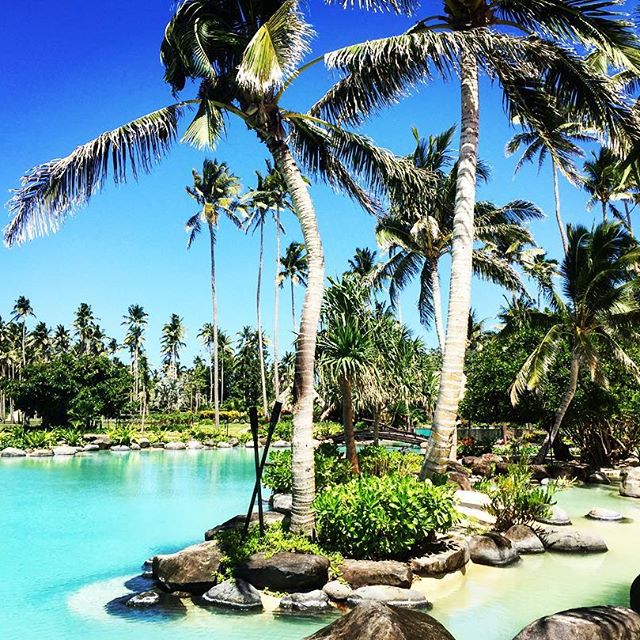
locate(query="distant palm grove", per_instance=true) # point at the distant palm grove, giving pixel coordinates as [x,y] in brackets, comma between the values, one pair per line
[561,362]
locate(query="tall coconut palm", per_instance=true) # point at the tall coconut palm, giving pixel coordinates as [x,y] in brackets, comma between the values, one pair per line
[217,192]
[136,321]
[61,339]
[603,181]
[558,139]
[84,325]
[40,341]
[599,311]
[295,268]
[22,310]
[227,353]
[243,57]
[172,341]
[207,336]
[363,262]
[526,46]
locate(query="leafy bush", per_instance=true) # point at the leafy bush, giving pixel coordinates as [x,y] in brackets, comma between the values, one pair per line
[326,429]
[14,437]
[515,500]
[123,435]
[72,437]
[379,461]
[39,439]
[379,518]
[516,450]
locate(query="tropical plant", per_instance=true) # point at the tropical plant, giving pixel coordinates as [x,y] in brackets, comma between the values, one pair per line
[22,309]
[295,269]
[173,333]
[600,312]
[603,181]
[363,262]
[136,321]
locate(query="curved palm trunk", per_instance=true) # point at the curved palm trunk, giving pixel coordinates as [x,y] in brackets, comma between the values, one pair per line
[347,423]
[604,211]
[562,410]
[556,194]
[302,518]
[437,306]
[293,307]
[263,378]
[451,378]
[216,402]
[276,312]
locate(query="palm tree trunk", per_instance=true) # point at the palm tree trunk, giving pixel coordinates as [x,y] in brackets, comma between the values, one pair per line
[276,311]
[347,423]
[556,194]
[437,306]
[222,379]
[293,308]
[263,378]
[461,272]
[210,377]
[604,211]
[216,402]
[627,212]
[302,518]
[562,410]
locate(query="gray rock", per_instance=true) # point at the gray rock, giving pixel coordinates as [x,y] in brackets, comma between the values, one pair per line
[634,595]
[597,477]
[233,594]
[284,571]
[377,621]
[282,502]
[630,482]
[144,443]
[337,590]
[361,573]
[395,596]
[102,440]
[461,480]
[64,450]
[588,623]
[175,446]
[192,569]
[492,549]
[134,446]
[40,453]
[195,444]
[524,539]
[120,447]
[558,517]
[91,447]
[573,541]
[13,452]
[598,513]
[224,445]
[280,444]
[270,518]
[146,599]
[312,602]
[453,557]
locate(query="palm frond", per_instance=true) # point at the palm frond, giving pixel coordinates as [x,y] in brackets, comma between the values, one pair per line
[206,128]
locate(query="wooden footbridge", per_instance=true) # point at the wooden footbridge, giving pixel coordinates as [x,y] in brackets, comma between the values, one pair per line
[386,433]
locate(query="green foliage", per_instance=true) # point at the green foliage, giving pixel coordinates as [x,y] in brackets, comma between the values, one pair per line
[515,500]
[380,518]
[323,429]
[123,434]
[516,450]
[39,439]
[72,437]
[380,461]
[14,437]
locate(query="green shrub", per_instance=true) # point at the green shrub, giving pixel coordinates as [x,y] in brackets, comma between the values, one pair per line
[380,461]
[379,518]
[326,429]
[516,450]
[72,437]
[515,500]
[39,439]
[123,434]
[14,437]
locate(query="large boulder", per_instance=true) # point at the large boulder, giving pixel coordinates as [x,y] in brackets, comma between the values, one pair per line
[395,596]
[102,440]
[40,453]
[588,623]
[175,446]
[285,571]
[492,549]
[312,602]
[145,599]
[282,502]
[13,452]
[237,522]
[608,515]
[192,569]
[361,573]
[233,594]
[461,480]
[557,517]
[573,541]
[524,539]
[634,595]
[378,621]
[337,590]
[630,482]
[453,556]
[64,450]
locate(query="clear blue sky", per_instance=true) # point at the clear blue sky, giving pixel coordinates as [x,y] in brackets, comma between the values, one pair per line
[74,69]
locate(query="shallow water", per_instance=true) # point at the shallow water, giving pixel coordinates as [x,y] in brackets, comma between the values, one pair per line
[74,531]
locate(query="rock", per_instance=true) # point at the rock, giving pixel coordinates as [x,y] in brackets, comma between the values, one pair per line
[145,599]
[453,557]
[285,571]
[175,446]
[557,516]
[377,621]
[570,470]
[524,539]
[270,518]
[233,594]
[102,440]
[195,444]
[453,465]
[395,596]
[91,447]
[337,590]
[13,452]
[573,541]
[630,482]
[312,602]
[248,445]
[361,573]
[460,479]
[492,458]
[538,472]
[634,595]
[134,446]
[280,444]
[192,569]
[613,475]
[588,623]
[224,445]
[64,450]
[40,453]
[604,514]
[492,549]
[597,477]
[473,499]
[478,466]
[234,442]
[282,502]
[144,443]
[120,447]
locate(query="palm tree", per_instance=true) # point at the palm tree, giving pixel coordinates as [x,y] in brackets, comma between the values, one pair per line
[225,347]
[22,309]
[363,262]
[599,313]
[244,56]
[295,268]
[217,192]
[136,321]
[61,339]
[526,46]
[207,336]
[173,333]
[558,139]
[603,181]
[420,234]
[84,325]
[40,341]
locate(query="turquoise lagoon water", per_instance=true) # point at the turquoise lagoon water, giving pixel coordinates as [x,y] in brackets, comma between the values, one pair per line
[73,533]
